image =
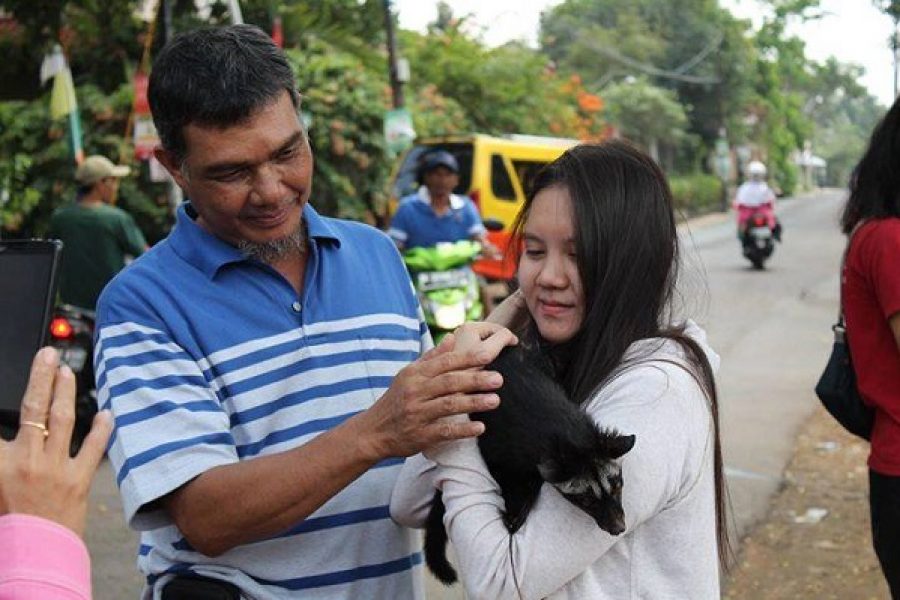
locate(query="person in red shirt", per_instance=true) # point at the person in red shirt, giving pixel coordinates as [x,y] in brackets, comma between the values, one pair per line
[870,287]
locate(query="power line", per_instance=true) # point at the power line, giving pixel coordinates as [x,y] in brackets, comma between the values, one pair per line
[677,74]
[712,45]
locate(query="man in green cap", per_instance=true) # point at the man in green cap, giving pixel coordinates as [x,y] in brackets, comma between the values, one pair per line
[97,236]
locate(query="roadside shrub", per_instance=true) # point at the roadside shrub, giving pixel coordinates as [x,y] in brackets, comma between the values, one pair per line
[696,194]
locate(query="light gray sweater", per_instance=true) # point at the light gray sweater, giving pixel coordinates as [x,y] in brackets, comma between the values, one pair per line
[669,547]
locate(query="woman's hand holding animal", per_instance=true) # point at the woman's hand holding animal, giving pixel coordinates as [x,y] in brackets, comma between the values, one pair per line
[37,476]
[413,414]
[486,338]
[512,313]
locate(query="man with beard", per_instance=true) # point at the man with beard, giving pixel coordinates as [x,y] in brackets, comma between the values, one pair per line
[264,363]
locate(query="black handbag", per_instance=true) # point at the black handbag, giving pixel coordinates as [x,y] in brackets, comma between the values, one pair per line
[837,389]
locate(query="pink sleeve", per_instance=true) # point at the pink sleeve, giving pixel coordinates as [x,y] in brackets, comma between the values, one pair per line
[41,559]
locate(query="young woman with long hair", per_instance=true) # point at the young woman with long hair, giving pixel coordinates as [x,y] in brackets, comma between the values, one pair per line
[597,271]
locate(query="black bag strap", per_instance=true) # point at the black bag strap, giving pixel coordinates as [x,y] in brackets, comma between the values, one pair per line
[840,328]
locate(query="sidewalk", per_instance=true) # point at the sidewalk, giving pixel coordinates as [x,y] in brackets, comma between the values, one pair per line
[815,542]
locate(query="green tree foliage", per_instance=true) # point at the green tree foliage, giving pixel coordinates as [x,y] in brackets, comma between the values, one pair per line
[889,7]
[349,26]
[589,38]
[646,114]
[101,38]
[758,85]
[844,114]
[784,79]
[697,68]
[344,94]
[892,9]
[729,61]
[693,47]
[346,103]
[507,89]
[42,175]
[492,85]
[103,42]
[17,198]
[436,114]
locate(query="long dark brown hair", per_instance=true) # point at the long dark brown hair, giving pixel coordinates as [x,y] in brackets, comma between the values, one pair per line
[627,255]
[875,183]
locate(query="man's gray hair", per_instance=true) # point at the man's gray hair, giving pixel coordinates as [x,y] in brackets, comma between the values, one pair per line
[216,77]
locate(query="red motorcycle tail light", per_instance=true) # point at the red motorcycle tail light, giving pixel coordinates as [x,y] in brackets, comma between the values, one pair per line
[60,328]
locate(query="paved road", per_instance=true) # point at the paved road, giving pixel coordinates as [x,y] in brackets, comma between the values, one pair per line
[771,329]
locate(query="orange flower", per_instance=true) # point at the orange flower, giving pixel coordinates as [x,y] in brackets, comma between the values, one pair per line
[589,102]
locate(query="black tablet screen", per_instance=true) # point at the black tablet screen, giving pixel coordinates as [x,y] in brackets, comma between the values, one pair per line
[27,290]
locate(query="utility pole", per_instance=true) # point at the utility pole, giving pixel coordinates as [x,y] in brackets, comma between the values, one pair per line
[234,9]
[396,83]
[894,48]
[167,19]
[173,192]
[891,8]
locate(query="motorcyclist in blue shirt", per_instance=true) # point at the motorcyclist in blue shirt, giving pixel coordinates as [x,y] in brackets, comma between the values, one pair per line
[434,213]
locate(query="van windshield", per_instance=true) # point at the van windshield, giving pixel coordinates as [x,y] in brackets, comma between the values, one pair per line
[526,171]
[406,183]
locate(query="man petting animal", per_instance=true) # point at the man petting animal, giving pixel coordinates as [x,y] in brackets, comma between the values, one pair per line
[264,363]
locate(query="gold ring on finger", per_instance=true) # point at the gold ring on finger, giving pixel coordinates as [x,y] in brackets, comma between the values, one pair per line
[40,426]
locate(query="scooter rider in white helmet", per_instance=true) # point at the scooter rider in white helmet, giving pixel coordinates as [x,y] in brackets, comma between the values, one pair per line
[755,195]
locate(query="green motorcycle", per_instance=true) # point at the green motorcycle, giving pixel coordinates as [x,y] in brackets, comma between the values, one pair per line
[448,288]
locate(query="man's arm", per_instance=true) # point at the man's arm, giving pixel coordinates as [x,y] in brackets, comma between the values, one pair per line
[255,499]
[399,228]
[488,249]
[133,241]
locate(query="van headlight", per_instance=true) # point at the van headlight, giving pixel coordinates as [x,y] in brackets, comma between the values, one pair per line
[449,316]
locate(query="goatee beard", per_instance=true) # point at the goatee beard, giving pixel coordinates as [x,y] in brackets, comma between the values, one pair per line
[275,250]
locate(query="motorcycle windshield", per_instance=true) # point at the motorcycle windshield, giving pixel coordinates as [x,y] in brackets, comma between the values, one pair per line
[441,257]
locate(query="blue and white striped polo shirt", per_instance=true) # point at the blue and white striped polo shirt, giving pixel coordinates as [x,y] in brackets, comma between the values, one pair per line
[207,358]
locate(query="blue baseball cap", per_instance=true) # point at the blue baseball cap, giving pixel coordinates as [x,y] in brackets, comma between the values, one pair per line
[439,158]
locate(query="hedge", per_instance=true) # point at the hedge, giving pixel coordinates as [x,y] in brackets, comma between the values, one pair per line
[696,194]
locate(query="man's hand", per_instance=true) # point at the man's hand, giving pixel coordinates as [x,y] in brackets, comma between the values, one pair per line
[414,413]
[37,476]
[489,250]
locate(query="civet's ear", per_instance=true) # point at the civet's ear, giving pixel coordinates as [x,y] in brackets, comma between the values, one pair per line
[620,445]
[552,470]
[561,461]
